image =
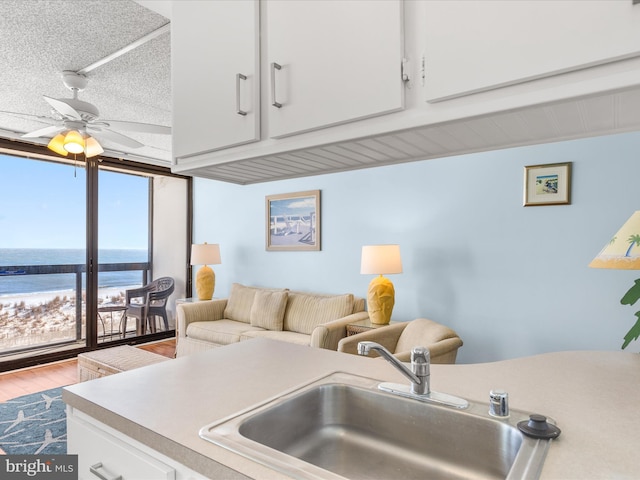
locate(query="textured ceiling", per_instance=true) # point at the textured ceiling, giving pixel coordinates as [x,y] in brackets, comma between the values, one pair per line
[41,38]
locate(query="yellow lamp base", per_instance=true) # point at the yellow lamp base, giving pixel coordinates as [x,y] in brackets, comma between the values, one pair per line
[380,300]
[205,283]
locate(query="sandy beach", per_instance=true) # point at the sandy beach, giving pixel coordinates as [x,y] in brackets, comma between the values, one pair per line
[29,319]
[39,298]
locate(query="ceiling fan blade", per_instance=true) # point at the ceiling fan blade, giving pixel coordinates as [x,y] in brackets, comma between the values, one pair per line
[137,127]
[115,137]
[44,132]
[40,118]
[63,108]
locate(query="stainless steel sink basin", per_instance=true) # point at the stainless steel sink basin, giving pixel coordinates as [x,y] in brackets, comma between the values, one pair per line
[343,427]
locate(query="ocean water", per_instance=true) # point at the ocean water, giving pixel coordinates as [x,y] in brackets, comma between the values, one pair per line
[15,284]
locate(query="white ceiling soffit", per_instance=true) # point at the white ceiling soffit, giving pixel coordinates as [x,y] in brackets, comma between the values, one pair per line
[39,39]
[597,115]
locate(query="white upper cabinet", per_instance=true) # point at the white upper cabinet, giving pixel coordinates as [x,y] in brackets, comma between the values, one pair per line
[480,75]
[331,62]
[478,46]
[215,68]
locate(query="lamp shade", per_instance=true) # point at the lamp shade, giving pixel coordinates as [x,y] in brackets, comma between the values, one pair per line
[73,142]
[57,145]
[380,259]
[92,147]
[205,254]
[623,251]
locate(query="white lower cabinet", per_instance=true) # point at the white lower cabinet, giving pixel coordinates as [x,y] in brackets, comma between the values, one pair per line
[106,455]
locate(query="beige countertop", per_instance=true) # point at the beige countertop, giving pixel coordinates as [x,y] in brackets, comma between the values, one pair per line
[593,397]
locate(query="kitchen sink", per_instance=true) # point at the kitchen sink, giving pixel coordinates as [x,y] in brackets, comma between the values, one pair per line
[342,426]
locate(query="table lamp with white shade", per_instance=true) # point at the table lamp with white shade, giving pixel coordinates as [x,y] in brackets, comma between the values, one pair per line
[205,254]
[380,260]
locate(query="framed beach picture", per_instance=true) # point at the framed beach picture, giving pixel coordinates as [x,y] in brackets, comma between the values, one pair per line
[293,221]
[547,184]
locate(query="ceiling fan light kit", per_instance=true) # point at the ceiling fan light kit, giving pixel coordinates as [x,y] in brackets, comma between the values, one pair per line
[74,142]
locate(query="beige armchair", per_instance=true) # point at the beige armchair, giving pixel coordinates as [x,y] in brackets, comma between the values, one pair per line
[400,338]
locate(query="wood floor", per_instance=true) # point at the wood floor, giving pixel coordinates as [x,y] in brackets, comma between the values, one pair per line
[31,380]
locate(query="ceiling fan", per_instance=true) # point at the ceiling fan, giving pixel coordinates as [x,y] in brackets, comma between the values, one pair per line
[77,123]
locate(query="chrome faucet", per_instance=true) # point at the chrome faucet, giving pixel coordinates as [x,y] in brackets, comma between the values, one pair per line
[419,375]
[420,360]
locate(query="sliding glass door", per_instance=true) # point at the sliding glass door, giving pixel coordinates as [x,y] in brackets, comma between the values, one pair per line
[123,253]
[142,237]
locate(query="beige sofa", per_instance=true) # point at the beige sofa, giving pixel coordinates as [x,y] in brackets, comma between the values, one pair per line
[399,338]
[250,312]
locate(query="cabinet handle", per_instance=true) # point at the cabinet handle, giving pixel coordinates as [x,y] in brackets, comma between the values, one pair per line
[239,77]
[274,67]
[94,469]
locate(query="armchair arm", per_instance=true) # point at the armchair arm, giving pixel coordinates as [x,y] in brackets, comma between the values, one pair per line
[327,335]
[137,293]
[442,351]
[386,336]
[205,311]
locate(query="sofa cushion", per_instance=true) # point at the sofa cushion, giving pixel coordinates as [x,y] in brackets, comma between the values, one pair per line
[240,301]
[291,337]
[267,310]
[358,304]
[305,311]
[221,332]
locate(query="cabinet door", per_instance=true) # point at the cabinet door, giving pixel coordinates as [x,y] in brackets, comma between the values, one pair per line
[339,61]
[101,455]
[215,75]
[477,46]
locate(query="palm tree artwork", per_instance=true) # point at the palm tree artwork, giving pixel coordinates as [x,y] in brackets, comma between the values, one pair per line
[634,240]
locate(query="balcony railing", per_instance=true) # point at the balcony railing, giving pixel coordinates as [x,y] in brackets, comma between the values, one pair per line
[76,269]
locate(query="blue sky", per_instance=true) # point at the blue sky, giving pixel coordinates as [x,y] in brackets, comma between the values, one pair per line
[299,206]
[42,205]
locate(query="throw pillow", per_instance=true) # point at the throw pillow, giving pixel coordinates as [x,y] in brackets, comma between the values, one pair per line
[268,308]
[239,303]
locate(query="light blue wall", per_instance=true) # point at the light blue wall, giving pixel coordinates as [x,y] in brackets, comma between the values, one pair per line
[512,281]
